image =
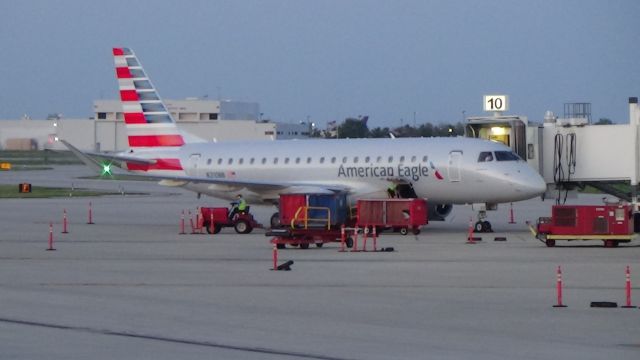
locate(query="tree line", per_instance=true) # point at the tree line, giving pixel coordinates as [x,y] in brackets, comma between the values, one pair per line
[357,128]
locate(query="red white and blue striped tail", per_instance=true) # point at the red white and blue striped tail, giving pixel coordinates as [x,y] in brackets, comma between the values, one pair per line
[148,123]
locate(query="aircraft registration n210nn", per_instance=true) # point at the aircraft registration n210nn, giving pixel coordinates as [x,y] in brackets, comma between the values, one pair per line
[445,170]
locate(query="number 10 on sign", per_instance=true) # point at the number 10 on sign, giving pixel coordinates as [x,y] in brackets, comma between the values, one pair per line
[495,103]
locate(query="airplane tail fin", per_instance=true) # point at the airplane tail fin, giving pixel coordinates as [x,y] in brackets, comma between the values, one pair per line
[148,123]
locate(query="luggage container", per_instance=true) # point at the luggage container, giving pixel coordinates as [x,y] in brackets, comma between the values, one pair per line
[611,224]
[313,210]
[403,215]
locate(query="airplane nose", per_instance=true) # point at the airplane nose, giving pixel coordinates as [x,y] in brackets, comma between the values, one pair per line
[531,184]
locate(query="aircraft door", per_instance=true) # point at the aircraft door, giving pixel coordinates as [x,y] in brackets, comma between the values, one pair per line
[192,165]
[455,159]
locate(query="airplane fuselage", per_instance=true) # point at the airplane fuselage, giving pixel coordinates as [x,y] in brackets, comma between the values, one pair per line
[443,170]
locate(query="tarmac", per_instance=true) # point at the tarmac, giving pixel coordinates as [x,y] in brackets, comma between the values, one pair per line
[130,287]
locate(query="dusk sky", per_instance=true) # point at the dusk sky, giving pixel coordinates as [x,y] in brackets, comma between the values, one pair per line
[327,60]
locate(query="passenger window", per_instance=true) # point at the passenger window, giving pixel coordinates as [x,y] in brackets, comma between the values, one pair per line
[322,160]
[402,159]
[219,161]
[344,160]
[275,160]
[333,160]
[425,158]
[366,159]
[230,161]
[413,159]
[286,160]
[308,160]
[297,160]
[485,156]
[252,160]
[355,160]
[209,161]
[379,159]
[390,159]
[240,161]
[264,160]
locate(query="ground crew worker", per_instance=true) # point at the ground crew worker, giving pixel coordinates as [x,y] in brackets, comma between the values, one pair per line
[391,190]
[239,206]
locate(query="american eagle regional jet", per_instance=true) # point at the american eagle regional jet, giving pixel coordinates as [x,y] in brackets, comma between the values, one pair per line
[445,171]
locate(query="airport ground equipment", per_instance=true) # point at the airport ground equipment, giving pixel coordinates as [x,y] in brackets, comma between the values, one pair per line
[216,218]
[611,224]
[310,219]
[403,215]
[316,219]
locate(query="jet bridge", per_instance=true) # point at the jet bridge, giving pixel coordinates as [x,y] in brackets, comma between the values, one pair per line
[570,152]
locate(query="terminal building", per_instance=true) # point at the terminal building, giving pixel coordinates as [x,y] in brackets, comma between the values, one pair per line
[210,120]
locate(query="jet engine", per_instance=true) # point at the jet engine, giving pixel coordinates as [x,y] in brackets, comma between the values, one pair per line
[438,212]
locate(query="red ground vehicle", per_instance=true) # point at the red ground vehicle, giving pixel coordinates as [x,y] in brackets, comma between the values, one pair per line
[308,219]
[403,215]
[612,224]
[242,222]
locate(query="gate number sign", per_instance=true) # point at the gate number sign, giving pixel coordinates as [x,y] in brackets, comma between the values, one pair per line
[495,103]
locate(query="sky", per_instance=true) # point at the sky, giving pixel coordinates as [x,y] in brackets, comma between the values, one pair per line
[394,61]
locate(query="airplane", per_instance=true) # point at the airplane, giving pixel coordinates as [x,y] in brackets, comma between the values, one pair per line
[445,170]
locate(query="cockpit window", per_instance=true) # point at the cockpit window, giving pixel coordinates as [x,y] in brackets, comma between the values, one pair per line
[506,156]
[485,156]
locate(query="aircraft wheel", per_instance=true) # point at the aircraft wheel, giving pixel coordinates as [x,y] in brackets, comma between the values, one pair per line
[486,227]
[349,242]
[479,227]
[404,231]
[242,227]
[275,220]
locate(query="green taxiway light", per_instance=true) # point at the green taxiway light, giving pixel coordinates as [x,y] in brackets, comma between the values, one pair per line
[106,169]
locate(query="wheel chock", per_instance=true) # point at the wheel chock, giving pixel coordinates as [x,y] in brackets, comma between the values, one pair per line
[604,304]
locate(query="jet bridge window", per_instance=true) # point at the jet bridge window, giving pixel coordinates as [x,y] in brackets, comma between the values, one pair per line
[506,156]
[485,156]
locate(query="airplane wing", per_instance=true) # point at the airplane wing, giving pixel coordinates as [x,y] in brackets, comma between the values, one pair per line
[180,180]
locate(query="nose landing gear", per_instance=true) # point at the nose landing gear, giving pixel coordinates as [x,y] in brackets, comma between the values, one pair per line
[482,225]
